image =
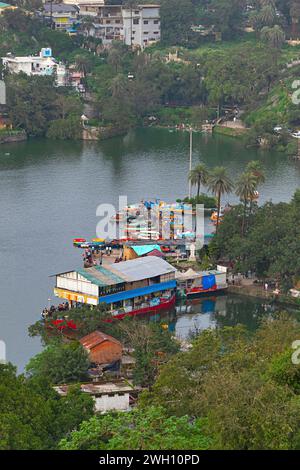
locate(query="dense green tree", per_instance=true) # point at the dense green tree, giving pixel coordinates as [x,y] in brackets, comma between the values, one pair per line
[65,129]
[239,383]
[152,346]
[61,363]
[227,16]
[149,429]
[33,416]
[31,102]
[270,244]
[176,20]
[284,372]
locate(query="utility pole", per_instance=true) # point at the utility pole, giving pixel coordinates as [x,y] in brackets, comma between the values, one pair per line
[51,13]
[191,160]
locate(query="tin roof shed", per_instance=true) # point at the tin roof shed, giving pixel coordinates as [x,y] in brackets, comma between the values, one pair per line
[143,268]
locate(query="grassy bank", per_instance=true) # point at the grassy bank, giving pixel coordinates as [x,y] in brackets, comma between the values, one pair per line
[231,132]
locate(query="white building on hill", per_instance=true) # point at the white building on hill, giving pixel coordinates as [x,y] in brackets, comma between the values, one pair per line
[139,26]
[42,65]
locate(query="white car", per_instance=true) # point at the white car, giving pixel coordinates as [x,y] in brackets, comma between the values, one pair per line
[277,129]
[296,134]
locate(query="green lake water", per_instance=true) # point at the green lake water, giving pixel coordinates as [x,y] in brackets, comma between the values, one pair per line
[49,192]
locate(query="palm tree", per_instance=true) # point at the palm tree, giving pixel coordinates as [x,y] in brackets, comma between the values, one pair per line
[275,36]
[267,15]
[198,176]
[257,169]
[115,57]
[82,64]
[118,86]
[219,183]
[246,191]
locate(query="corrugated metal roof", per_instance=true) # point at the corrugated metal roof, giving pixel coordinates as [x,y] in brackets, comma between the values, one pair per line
[143,268]
[60,8]
[100,276]
[126,271]
[142,250]
[96,338]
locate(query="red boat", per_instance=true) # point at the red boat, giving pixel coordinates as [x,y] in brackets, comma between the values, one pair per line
[165,304]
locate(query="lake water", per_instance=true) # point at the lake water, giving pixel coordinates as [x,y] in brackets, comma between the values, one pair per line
[49,192]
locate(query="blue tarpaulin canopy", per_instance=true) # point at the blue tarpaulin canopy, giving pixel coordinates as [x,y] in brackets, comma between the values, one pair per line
[208,281]
[142,250]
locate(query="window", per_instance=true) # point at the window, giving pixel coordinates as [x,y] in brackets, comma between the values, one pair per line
[156,21]
[136,12]
[117,21]
[136,21]
[146,32]
[156,32]
[146,21]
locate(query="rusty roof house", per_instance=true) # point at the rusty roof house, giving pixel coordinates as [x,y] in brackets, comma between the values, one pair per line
[102,348]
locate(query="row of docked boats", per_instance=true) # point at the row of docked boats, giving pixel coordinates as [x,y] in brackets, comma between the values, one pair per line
[150,220]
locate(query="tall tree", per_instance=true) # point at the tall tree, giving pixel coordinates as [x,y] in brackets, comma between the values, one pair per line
[256,168]
[219,183]
[245,190]
[274,36]
[199,175]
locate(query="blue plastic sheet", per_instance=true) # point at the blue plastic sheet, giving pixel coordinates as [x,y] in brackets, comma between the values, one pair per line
[208,306]
[209,281]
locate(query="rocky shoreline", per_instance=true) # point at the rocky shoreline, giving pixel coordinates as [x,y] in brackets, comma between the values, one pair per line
[12,137]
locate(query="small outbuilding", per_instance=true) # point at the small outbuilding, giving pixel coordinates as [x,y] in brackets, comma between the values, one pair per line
[102,348]
[137,251]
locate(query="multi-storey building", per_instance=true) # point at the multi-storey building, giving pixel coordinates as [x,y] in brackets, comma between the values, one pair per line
[141,25]
[107,23]
[64,17]
[138,26]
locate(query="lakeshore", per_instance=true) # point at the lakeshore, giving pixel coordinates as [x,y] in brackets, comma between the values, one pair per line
[79,176]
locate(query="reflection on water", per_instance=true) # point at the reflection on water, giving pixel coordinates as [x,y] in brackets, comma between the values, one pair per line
[192,317]
[49,192]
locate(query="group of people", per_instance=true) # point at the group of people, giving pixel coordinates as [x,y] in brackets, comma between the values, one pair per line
[90,258]
[48,312]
